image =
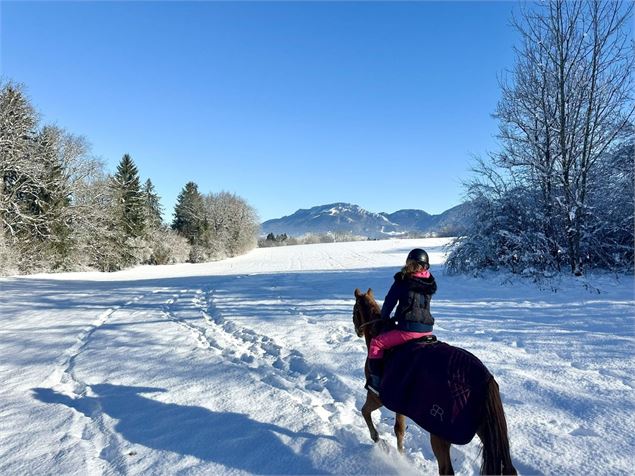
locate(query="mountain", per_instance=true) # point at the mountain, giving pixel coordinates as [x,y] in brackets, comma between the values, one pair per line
[411,219]
[349,218]
[454,222]
[335,217]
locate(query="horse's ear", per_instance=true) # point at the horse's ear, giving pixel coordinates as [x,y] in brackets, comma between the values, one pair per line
[369,293]
[358,293]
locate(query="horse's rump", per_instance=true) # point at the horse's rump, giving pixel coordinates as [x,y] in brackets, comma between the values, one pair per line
[440,387]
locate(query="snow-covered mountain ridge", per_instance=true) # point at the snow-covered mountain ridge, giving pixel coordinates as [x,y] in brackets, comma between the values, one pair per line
[343,217]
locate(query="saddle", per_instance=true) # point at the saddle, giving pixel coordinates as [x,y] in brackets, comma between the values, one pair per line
[440,387]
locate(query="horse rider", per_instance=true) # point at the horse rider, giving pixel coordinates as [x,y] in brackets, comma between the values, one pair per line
[411,292]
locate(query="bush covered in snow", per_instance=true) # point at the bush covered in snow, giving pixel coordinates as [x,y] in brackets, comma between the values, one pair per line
[168,247]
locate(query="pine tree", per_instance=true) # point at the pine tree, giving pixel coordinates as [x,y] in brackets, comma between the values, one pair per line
[129,199]
[189,214]
[152,206]
[18,172]
[54,196]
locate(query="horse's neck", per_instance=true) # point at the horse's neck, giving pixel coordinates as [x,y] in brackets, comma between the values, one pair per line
[368,331]
[368,338]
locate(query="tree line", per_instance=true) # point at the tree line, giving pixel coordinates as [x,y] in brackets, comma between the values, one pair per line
[283,239]
[60,210]
[559,194]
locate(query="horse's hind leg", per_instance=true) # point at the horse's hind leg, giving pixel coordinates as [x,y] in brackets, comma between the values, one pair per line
[372,404]
[400,430]
[441,450]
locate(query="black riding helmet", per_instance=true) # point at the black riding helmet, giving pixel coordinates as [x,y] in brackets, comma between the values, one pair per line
[420,256]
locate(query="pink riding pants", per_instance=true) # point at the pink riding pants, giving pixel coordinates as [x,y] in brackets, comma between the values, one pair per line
[390,339]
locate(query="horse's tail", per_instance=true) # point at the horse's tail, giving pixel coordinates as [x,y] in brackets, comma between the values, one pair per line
[493,434]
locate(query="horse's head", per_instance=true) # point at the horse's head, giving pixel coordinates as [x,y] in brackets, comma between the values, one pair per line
[366,314]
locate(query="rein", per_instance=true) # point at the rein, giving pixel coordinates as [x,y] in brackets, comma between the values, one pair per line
[368,323]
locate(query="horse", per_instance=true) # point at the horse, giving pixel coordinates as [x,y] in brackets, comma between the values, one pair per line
[490,423]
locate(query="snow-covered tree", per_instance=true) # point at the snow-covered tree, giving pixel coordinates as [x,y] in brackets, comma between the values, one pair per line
[610,232]
[233,225]
[93,229]
[9,257]
[34,190]
[565,111]
[20,173]
[54,197]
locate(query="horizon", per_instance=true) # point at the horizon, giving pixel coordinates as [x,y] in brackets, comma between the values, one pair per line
[288,105]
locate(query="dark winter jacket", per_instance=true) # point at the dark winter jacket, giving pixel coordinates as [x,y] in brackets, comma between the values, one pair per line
[413,295]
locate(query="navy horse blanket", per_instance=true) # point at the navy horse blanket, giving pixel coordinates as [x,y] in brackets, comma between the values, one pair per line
[440,387]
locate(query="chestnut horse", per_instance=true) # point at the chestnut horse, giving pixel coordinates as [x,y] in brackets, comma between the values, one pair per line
[492,429]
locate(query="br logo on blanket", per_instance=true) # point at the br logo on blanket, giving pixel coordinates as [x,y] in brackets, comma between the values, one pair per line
[437,411]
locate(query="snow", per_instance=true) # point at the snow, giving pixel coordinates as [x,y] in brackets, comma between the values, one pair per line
[251,366]
[336,210]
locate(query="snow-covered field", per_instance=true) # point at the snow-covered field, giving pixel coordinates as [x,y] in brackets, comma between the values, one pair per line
[251,366]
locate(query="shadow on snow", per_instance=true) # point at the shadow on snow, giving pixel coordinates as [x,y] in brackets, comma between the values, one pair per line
[229,439]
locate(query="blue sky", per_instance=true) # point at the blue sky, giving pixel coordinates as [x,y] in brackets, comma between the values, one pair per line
[288,104]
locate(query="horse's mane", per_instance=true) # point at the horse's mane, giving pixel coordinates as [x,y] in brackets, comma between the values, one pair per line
[372,314]
[372,306]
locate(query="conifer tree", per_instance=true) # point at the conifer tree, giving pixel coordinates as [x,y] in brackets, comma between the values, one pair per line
[18,172]
[152,206]
[189,214]
[129,199]
[54,196]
